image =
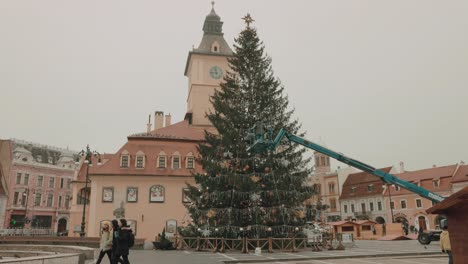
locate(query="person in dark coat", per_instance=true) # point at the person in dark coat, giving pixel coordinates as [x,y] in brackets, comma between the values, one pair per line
[115,233]
[123,238]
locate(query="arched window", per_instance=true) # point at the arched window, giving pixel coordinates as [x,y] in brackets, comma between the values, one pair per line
[162,160]
[124,159]
[215,47]
[140,160]
[190,161]
[157,194]
[176,160]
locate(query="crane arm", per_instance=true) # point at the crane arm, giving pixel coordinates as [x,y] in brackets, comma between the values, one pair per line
[262,140]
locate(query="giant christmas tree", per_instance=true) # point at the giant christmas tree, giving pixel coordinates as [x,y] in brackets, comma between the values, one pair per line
[256,194]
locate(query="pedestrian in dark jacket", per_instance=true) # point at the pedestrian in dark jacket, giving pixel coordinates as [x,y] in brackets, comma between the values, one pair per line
[123,239]
[115,233]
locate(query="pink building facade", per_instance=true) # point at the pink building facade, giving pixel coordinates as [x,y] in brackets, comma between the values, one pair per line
[410,207]
[39,187]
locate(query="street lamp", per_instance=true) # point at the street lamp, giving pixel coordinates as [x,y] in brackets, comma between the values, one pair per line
[87,156]
[26,200]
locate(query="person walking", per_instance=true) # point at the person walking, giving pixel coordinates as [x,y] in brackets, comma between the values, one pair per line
[105,244]
[115,234]
[445,243]
[125,240]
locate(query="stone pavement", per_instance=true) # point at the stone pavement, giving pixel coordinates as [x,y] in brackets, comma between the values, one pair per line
[386,251]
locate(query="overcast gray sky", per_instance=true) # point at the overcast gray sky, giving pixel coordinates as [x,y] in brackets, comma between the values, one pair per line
[381,81]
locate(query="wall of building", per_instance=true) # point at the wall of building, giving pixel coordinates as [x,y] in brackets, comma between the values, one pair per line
[150,217]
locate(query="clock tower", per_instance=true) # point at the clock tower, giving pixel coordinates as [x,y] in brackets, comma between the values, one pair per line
[205,68]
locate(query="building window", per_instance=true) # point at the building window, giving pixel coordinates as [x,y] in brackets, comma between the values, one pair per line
[26,179]
[403,204]
[68,183]
[176,162]
[67,201]
[333,204]
[418,203]
[62,180]
[162,162]
[392,205]
[363,207]
[60,202]
[397,188]
[190,162]
[331,188]
[139,162]
[345,208]
[51,182]
[50,198]
[16,198]
[317,162]
[352,208]
[371,206]
[124,160]
[18,178]
[353,190]
[379,205]
[436,184]
[347,228]
[370,187]
[37,199]
[40,179]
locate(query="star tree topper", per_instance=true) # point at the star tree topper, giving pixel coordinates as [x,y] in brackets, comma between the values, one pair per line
[248,19]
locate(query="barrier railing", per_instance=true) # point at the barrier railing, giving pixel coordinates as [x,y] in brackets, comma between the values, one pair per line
[270,244]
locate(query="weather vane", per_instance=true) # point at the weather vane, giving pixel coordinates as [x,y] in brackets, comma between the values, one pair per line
[248,19]
[212,4]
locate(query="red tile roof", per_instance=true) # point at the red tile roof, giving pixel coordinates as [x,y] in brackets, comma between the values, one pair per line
[151,150]
[360,181]
[461,175]
[426,177]
[178,131]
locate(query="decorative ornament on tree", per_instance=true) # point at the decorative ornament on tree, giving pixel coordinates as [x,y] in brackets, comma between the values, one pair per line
[255,178]
[211,213]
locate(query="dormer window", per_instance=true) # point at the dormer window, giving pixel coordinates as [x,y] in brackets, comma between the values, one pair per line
[162,160]
[436,183]
[370,187]
[190,162]
[215,47]
[176,160]
[124,159]
[353,190]
[140,160]
[397,188]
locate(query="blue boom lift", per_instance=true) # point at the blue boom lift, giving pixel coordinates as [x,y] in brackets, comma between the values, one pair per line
[261,139]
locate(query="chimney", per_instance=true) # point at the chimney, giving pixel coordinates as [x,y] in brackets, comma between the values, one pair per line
[148,126]
[402,167]
[168,120]
[158,119]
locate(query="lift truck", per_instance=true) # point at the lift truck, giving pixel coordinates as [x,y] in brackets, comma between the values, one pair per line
[261,139]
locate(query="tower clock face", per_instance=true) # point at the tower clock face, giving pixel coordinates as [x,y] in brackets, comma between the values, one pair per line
[216,72]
